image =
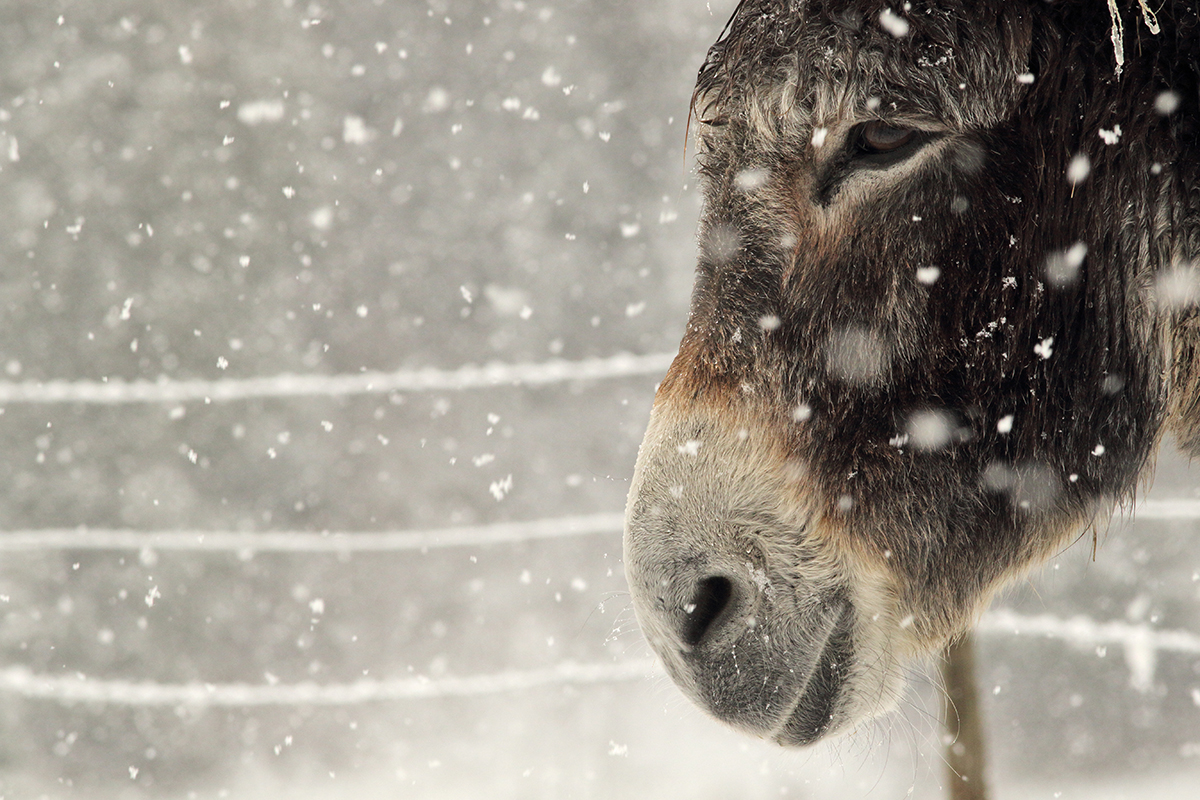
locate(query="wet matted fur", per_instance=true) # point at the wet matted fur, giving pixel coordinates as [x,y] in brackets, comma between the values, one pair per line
[944,311]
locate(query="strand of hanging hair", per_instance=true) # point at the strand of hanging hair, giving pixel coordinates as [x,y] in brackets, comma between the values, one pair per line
[124,392]
[1142,645]
[249,543]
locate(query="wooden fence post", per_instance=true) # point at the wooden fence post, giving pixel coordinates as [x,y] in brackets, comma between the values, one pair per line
[961,720]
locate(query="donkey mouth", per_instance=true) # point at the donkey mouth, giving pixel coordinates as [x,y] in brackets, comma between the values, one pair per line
[815,708]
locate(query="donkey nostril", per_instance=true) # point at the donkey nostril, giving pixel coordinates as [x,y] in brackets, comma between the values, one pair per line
[711,598]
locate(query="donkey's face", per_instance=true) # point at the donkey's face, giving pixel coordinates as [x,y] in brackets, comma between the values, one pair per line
[919,358]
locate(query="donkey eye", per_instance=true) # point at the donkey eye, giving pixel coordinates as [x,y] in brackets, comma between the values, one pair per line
[879,137]
[878,145]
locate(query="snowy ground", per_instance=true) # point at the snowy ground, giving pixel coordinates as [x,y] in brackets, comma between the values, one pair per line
[198,195]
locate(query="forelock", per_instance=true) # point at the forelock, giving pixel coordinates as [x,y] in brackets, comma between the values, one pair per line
[783,65]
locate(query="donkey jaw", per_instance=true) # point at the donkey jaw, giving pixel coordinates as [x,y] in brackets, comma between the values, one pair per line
[757,617]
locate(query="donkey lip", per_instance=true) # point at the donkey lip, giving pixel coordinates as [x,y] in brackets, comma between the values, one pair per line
[816,705]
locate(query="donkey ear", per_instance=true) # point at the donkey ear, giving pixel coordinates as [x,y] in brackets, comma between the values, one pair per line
[1184,400]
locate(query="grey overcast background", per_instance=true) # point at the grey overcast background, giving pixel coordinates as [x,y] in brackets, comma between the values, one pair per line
[218,191]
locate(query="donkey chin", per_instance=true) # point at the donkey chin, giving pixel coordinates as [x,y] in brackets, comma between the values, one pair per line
[757,615]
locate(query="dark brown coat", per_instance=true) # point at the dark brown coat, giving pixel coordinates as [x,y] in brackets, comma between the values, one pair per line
[945,310]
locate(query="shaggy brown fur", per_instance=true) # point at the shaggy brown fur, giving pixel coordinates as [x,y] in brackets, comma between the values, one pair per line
[911,373]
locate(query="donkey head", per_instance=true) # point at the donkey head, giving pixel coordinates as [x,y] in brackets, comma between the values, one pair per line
[937,326]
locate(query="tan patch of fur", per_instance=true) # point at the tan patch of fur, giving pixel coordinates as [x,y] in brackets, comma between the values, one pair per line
[742,455]
[1184,409]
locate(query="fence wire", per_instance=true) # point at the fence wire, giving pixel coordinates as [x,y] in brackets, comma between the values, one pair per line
[121,392]
[75,688]
[1141,643]
[251,542]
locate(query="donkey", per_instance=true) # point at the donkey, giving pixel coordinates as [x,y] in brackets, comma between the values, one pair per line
[944,312]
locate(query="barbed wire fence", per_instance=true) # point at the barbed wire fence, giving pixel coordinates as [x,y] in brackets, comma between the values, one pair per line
[1140,642]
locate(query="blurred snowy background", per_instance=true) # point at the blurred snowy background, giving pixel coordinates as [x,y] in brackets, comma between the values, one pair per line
[199,199]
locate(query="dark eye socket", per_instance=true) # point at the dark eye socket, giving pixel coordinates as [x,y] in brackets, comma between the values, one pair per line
[879,137]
